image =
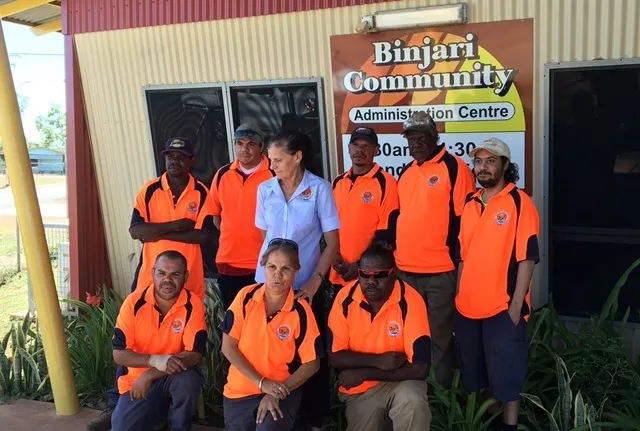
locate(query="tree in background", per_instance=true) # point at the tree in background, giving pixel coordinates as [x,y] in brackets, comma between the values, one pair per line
[53,128]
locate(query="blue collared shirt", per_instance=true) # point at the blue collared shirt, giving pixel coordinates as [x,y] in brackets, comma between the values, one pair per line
[310,212]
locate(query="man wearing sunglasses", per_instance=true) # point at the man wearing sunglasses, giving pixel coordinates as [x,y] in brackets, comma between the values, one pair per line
[233,191]
[379,341]
[367,200]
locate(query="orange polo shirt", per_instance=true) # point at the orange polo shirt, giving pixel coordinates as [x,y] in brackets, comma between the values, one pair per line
[155,204]
[141,328]
[367,207]
[493,240]
[401,325]
[432,197]
[276,346]
[234,198]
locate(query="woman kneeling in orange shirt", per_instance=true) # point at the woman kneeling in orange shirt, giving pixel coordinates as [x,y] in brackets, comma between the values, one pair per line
[273,344]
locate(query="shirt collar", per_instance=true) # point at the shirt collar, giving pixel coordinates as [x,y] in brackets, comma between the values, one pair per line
[264,164]
[370,174]
[150,297]
[164,181]
[258,296]
[508,188]
[274,185]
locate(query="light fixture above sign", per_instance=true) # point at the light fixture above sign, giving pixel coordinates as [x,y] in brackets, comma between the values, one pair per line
[430,16]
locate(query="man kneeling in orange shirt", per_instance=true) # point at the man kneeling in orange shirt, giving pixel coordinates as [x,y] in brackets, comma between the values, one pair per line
[380,341]
[160,337]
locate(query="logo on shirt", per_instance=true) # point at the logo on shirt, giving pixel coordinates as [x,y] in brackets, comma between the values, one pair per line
[393,328]
[433,180]
[306,195]
[177,326]
[501,218]
[283,332]
[192,207]
[367,197]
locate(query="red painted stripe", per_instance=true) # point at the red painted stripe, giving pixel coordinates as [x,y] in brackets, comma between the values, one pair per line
[84,16]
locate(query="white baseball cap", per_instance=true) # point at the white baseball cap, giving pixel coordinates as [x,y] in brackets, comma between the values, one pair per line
[495,146]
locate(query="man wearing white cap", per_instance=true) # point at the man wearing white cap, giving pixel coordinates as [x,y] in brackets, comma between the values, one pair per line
[497,251]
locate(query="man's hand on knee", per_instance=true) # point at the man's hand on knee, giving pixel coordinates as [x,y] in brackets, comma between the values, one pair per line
[140,388]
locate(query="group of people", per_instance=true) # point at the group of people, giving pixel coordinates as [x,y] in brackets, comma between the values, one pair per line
[409,269]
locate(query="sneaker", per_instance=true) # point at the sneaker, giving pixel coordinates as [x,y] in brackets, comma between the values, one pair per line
[102,422]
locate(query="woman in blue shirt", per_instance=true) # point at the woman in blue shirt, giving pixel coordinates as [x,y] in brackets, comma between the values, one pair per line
[299,206]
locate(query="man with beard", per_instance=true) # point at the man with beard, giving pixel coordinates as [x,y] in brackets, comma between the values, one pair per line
[432,192]
[379,341]
[171,212]
[367,200]
[160,337]
[233,196]
[498,249]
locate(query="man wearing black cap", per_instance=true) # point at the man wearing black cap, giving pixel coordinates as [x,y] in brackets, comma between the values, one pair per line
[367,200]
[233,196]
[171,212]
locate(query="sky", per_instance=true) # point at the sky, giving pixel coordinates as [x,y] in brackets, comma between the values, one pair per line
[38,71]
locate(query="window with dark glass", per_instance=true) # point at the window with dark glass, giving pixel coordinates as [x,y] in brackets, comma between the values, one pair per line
[198,114]
[594,210]
[282,106]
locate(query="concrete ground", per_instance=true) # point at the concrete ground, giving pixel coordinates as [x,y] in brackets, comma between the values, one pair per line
[41,416]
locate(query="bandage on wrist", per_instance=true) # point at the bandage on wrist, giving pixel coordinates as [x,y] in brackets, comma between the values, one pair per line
[159,362]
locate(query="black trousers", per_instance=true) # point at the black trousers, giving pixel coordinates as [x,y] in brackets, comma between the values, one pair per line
[230,285]
[316,395]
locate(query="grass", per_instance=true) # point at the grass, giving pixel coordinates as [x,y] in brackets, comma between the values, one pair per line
[13,299]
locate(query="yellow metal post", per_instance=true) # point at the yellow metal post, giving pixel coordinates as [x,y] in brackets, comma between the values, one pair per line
[35,244]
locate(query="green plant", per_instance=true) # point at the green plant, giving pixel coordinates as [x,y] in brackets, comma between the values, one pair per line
[90,338]
[214,366]
[601,371]
[23,373]
[569,412]
[453,409]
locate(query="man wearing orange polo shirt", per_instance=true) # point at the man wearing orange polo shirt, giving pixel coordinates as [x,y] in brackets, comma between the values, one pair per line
[234,192]
[498,249]
[432,190]
[367,200]
[172,212]
[159,338]
[379,340]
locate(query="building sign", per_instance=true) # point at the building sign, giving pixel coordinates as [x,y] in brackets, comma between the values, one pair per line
[475,80]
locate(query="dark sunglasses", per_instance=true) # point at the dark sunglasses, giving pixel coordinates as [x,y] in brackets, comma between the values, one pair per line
[383,273]
[282,241]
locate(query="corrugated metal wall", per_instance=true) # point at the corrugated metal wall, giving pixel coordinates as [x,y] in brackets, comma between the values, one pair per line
[116,65]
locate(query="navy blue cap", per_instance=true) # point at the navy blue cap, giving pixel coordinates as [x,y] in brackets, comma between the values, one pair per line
[179,145]
[365,133]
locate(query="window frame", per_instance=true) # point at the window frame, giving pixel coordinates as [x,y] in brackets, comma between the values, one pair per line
[226,87]
[596,235]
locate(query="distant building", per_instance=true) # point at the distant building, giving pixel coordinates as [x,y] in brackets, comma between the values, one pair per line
[44,161]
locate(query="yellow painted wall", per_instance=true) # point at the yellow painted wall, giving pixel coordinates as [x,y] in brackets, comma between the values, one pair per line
[116,65]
